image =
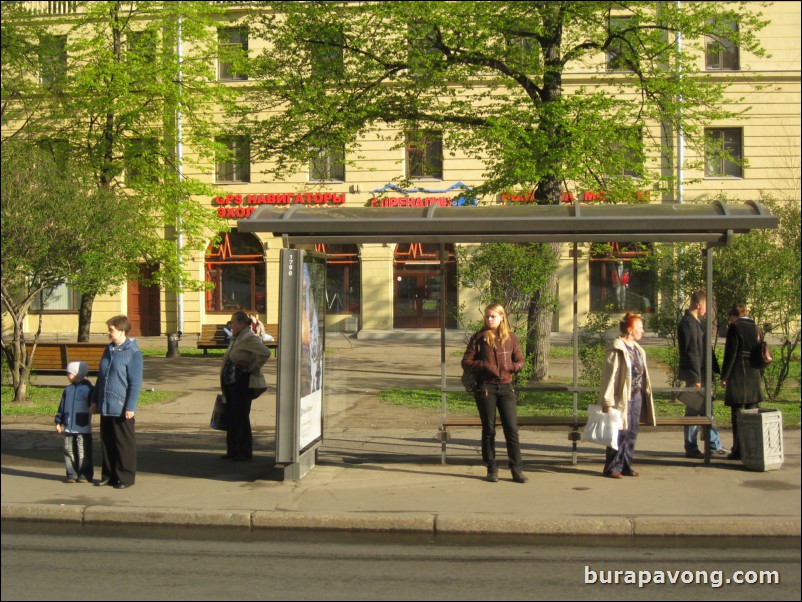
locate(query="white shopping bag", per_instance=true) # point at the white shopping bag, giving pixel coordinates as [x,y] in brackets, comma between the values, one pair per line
[602,428]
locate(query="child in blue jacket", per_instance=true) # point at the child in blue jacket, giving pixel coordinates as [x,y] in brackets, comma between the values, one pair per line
[74,419]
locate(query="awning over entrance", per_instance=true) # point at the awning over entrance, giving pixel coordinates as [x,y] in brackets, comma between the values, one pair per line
[711,223]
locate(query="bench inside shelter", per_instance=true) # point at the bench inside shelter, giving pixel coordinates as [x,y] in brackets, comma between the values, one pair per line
[574,422]
[212,336]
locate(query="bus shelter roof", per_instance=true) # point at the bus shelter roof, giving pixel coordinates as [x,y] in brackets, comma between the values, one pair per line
[713,223]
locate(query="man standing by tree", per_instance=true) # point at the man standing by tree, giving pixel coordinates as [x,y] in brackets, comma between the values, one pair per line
[691,344]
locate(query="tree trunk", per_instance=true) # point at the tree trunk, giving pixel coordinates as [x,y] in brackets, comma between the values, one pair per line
[540,317]
[85,317]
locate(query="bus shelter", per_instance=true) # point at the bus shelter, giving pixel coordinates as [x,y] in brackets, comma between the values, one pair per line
[712,225]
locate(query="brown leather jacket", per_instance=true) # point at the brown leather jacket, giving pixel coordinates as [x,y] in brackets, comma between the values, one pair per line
[494,365]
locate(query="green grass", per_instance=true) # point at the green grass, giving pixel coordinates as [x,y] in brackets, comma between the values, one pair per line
[43,401]
[555,403]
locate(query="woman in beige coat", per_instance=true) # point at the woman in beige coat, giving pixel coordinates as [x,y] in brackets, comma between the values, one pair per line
[241,380]
[625,386]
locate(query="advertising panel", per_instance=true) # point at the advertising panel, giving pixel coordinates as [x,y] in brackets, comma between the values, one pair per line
[299,384]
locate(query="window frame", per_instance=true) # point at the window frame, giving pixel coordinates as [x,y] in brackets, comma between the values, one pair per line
[634,154]
[724,48]
[602,286]
[228,49]
[73,300]
[144,147]
[424,149]
[234,167]
[344,269]
[52,59]
[327,55]
[235,264]
[616,51]
[722,153]
[327,163]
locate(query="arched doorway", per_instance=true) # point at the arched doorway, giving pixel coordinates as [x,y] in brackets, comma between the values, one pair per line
[416,277]
[236,268]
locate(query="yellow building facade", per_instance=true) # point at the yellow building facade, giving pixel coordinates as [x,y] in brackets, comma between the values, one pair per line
[397,287]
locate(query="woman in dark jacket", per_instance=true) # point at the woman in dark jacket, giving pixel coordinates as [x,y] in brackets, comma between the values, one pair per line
[241,380]
[741,380]
[494,354]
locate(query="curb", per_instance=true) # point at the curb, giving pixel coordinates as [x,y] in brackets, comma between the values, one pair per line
[421,523]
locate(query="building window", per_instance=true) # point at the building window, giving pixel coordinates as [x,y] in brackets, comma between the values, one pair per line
[233,51]
[141,161]
[616,283]
[52,59]
[328,165]
[236,269]
[142,47]
[233,163]
[619,52]
[523,54]
[327,54]
[626,153]
[343,278]
[423,54]
[724,152]
[424,154]
[59,298]
[720,52]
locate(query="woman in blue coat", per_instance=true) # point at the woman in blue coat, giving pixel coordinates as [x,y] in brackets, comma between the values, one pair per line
[116,396]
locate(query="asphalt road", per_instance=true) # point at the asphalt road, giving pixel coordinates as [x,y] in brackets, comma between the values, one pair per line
[59,562]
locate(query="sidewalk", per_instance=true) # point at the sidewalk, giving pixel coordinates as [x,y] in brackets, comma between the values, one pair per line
[379,467]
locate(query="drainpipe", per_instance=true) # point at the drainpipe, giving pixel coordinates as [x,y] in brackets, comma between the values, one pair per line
[179,160]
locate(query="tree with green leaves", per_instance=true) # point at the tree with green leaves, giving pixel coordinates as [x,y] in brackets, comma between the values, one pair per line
[112,92]
[515,276]
[493,79]
[760,269]
[763,271]
[54,231]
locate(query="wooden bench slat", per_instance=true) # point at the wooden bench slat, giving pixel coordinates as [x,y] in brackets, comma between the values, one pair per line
[213,337]
[54,357]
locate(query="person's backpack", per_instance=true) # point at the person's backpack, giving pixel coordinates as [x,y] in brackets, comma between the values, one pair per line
[760,356]
[470,381]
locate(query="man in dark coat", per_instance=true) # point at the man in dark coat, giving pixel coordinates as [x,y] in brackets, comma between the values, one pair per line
[741,380]
[692,359]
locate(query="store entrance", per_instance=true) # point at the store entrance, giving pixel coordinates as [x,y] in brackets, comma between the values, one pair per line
[143,306]
[417,300]
[417,291]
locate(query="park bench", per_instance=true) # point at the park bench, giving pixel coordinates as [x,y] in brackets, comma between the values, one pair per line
[212,336]
[51,358]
